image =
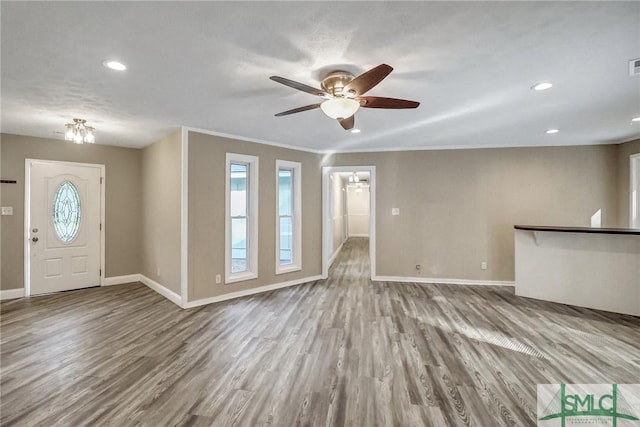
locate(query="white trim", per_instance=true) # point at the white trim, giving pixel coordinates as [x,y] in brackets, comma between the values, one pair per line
[634,168]
[103,221]
[121,280]
[327,220]
[11,293]
[382,149]
[184,218]
[27,216]
[466,282]
[335,254]
[249,139]
[458,147]
[165,292]
[252,291]
[26,264]
[358,235]
[252,219]
[296,194]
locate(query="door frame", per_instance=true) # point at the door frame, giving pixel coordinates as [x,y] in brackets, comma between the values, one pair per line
[634,170]
[327,226]
[27,216]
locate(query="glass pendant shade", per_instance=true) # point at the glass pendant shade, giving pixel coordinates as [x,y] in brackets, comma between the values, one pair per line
[88,137]
[70,133]
[340,108]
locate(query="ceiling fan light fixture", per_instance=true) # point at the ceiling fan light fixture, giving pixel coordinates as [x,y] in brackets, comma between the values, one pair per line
[340,108]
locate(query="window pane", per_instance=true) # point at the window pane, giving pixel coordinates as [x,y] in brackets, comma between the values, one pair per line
[285,178]
[239,183]
[66,212]
[286,240]
[239,245]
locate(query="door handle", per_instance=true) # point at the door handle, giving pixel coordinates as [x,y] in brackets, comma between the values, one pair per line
[34,239]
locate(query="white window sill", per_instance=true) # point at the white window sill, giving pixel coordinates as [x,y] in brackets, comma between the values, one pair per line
[240,277]
[287,269]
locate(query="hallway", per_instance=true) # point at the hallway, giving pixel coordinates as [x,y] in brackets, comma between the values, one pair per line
[340,352]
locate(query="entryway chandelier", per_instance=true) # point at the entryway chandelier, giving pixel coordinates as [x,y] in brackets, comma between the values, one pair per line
[79,132]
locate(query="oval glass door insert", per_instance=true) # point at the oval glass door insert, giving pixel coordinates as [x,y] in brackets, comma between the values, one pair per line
[66,212]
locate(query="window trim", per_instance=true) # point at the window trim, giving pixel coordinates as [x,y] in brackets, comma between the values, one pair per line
[252,219]
[634,202]
[296,227]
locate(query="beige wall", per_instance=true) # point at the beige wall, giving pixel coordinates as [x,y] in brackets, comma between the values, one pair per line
[358,208]
[338,218]
[123,201]
[458,207]
[207,213]
[624,151]
[161,198]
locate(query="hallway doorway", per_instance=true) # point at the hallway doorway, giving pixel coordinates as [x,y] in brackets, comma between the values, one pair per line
[348,210]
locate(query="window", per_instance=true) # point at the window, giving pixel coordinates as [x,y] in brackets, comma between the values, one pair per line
[66,212]
[289,218]
[241,242]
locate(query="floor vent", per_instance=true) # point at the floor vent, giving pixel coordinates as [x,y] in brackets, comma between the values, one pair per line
[634,67]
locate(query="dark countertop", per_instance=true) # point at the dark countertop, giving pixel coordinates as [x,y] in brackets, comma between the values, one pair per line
[632,231]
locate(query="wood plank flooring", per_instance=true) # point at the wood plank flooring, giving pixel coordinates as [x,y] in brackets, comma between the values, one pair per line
[340,352]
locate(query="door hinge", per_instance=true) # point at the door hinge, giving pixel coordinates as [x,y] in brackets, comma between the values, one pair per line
[100,226]
[100,272]
[101,178]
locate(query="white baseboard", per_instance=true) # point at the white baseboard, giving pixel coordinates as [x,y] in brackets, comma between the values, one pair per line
[358,235]
[11,293]
[466,282]
[121,280]
[335,254]
[165,292]
[253,291]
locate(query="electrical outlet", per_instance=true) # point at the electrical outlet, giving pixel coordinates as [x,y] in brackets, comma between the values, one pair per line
[483,265]
[218,279]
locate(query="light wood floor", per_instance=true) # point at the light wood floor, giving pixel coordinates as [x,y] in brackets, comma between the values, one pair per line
[343,351]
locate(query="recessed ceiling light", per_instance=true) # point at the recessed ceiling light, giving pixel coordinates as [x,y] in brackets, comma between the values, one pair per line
[114,65]
[541,86]
[636,119]
[355,130]
[551,131]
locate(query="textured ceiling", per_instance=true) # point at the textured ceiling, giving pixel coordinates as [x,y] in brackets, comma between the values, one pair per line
[207,65]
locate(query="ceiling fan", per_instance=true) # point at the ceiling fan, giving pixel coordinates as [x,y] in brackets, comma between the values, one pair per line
[343,94]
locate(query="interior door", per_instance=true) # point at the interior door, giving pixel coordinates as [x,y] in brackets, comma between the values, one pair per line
[64,226]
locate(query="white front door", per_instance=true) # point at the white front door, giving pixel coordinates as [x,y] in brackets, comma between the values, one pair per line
[63,226]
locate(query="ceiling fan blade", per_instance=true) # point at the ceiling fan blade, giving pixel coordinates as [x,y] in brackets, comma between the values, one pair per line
[300,86]
[348,123]
[365,81]
[299,110]
[391,103]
